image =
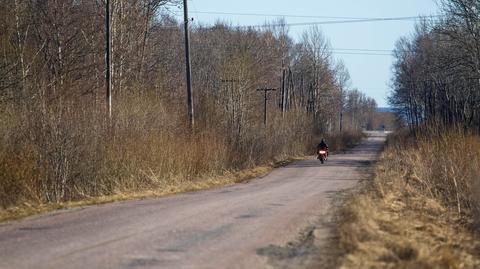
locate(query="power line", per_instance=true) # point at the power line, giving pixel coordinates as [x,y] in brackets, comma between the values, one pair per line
[347,21]
[333,22]
[344,51]
[387,19]
[304,16]
[275,15]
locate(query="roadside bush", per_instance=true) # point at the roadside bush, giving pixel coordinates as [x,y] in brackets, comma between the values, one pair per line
[56,153]
[343,140]
[418,210]
[444,167]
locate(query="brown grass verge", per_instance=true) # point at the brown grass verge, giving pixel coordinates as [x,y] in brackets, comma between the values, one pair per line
[60,156]
[172,187]
[67,152]
[405,218]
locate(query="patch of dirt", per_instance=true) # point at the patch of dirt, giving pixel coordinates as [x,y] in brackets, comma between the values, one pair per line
[315,247]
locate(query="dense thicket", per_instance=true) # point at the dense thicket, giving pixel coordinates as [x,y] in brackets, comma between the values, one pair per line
[437,70]
[437,89]
[57,144]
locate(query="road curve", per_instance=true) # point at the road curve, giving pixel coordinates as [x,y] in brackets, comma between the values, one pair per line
[220,228]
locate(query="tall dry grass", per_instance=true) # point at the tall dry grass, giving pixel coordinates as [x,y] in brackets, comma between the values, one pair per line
[444,166]
[66,151]
[343,140]
[421,208]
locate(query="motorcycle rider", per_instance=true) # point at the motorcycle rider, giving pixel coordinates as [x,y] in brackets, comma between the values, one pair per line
[322,146]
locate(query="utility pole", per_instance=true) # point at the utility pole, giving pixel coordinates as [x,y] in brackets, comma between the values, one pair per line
[341,120]
[108,60]
[291,98]
[265,104]
[341,109]
[187,66]
[283,94]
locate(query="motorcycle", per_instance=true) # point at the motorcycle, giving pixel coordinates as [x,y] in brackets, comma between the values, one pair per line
[322,155]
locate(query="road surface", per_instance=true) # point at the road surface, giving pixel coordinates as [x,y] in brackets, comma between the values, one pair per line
[247,225]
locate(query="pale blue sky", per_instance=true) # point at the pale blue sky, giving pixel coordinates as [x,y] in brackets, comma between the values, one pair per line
[370,74]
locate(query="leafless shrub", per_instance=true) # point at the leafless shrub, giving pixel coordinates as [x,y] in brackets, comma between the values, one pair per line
[443,167]
[54,154]
[408,215]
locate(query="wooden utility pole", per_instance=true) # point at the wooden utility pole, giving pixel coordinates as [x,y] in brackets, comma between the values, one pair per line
[342,106]
[291,98]
[283,93]
[341,120]
[265,104]
[187,66]
[108,60]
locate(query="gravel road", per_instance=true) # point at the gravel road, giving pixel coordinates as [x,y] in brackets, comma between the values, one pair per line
[248,225]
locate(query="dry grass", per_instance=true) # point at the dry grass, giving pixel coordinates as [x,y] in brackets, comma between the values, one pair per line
[173,187]
[54,156]
[341,141]
[414,214]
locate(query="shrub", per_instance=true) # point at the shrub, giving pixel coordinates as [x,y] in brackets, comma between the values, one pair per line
[443,166]
[60,152]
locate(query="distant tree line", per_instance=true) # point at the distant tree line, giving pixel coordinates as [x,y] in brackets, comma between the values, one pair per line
[437,69]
